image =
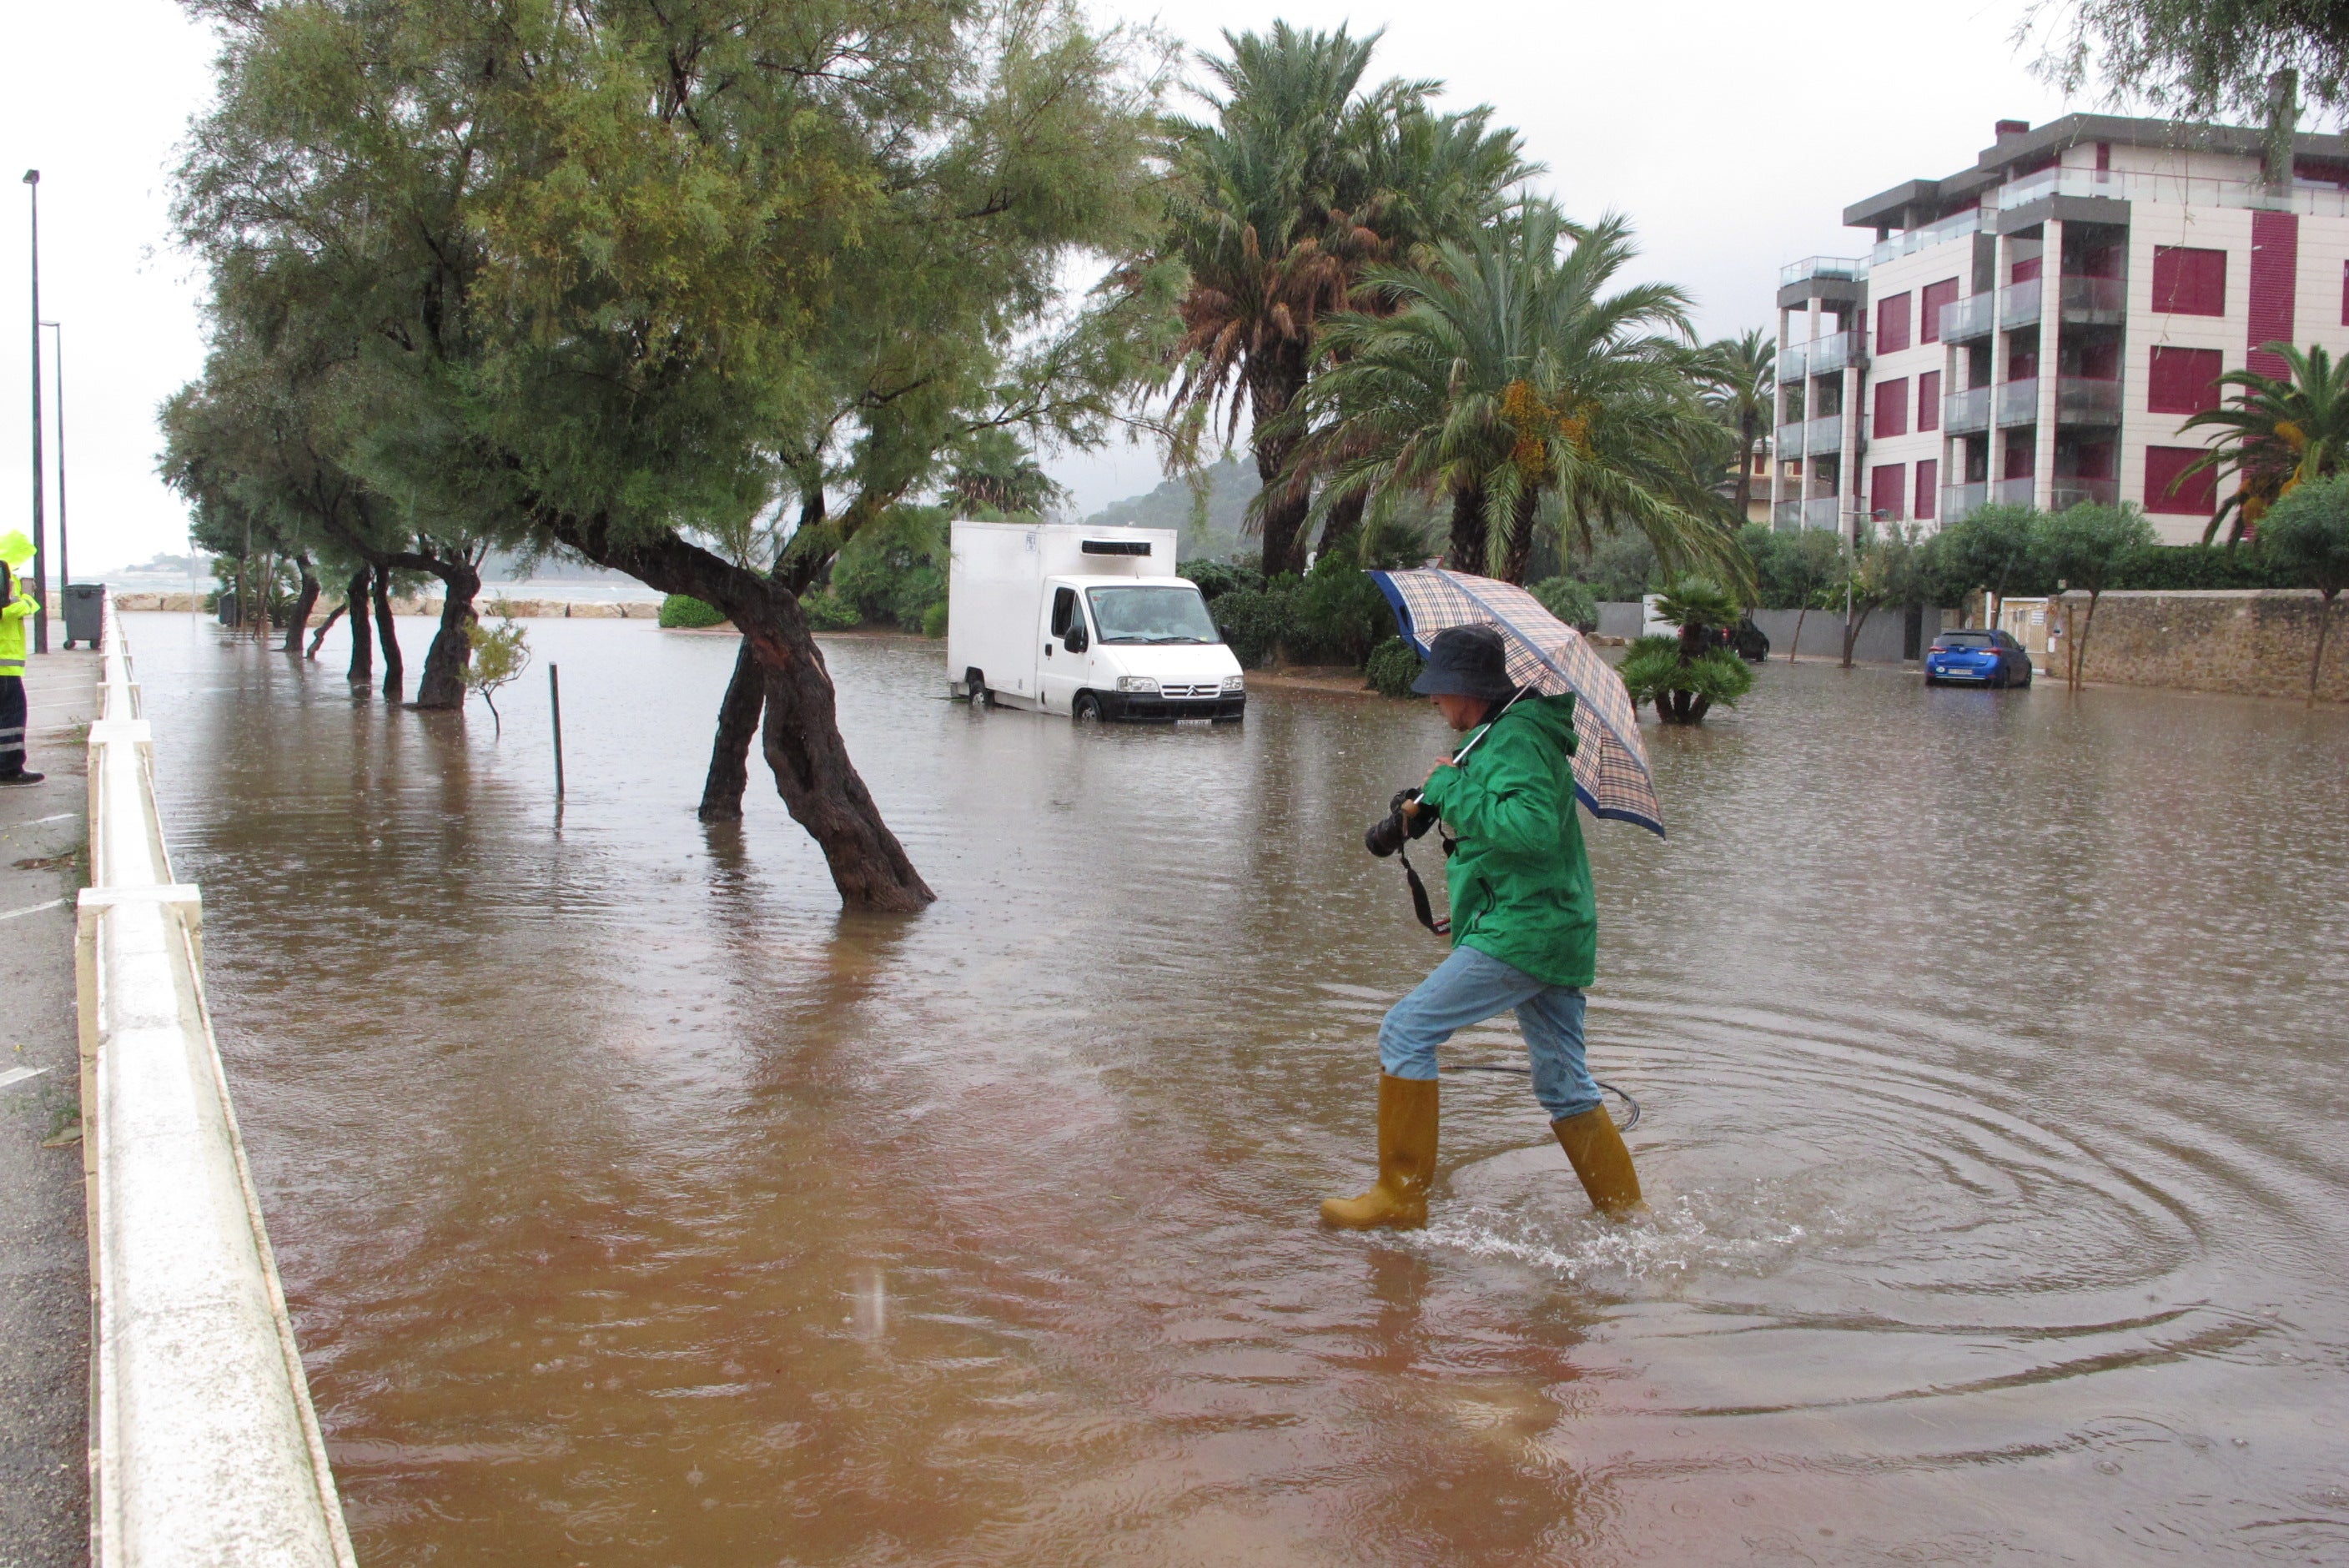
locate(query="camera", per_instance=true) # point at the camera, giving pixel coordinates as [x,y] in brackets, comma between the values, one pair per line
[1391,831]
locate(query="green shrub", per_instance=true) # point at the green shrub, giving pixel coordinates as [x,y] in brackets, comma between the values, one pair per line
[1652,672]
[895,567]
[934,620]
[826,613]
[1256,622]
[1217,578]
[1392,666]
[1570,601]
[1340,613]
[681,609]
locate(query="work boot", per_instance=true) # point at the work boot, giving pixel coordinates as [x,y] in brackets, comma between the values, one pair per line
[1406,1162]
[21,777]
[1597,1149]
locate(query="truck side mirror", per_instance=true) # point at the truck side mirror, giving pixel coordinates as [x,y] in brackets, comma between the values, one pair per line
[1076,641]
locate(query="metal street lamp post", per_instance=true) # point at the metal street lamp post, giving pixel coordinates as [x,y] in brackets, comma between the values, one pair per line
[40,576]
[65,560]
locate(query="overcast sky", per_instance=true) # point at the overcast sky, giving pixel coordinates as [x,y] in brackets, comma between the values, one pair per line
[1732,133]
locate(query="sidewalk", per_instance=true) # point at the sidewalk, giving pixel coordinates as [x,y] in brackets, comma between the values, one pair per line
[43,1249]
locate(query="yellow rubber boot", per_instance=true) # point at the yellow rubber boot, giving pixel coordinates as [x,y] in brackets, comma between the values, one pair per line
[1596,1148]
[1406,1162]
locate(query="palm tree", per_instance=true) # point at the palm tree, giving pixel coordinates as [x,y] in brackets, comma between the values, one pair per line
[1302,181]
[996,472]
[1509,379]
[2277,434]
[1740,379]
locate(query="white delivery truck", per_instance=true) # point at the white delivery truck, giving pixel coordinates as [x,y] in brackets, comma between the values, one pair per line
[1088,622]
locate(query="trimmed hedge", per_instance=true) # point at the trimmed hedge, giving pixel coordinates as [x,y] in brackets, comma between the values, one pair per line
[1393,665]
[681,609]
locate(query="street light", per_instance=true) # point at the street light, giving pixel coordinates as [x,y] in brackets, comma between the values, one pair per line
[40,575]
[65,560]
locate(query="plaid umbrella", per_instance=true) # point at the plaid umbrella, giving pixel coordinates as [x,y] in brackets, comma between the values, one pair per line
[1610,766]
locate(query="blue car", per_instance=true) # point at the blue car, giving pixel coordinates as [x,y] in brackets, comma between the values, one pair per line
[1977,658]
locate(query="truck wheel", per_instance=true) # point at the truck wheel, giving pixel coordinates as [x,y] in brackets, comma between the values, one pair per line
[1086,709]
[974,685]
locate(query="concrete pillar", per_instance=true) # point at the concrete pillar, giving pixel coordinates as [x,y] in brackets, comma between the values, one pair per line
[1777,422]
[2051,316]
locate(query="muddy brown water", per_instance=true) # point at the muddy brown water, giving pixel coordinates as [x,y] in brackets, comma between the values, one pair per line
[637,1208]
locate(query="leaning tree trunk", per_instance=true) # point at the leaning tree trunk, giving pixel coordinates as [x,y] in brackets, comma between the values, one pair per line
[393,670]
[2080,654]
[1796,645]
[1469,545]
[819,785]
[1343,530]
[1519,549]
[362,635]
[737,726]
[1851,630]
[324,626]
[299,621]
[443,686]
[1272,386]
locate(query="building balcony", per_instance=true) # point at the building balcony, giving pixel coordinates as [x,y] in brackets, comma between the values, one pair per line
[1820,356]
[2173,189]
[1823,435]
[2080,401]
[2018,305]
[1822,512]
[1793,360]
[1969,317]
[1966,413]
[1786,515]
[2094,302]
[2072,493]
[1960,501]
[1957,227]
[1845,269]
[2011,492]
[2018,402]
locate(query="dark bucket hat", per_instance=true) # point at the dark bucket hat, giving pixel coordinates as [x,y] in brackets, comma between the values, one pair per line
[1468,661]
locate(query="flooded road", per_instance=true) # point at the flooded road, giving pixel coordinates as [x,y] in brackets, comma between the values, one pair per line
[637,1208]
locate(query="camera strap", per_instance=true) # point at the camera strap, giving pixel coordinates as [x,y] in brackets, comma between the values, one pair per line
[1420,905]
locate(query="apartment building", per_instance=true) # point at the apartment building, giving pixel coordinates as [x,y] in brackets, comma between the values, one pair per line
[2036,328]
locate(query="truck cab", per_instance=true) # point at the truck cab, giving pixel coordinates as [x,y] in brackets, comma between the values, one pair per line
[1087,621]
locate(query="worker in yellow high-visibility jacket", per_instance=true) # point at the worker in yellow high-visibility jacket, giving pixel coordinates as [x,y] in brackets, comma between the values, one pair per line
[18,606]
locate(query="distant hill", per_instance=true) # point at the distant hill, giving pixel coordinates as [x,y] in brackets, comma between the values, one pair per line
[1231,485]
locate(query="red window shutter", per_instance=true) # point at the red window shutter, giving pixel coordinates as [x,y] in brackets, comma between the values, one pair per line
[2100,359]
[2344,293]
[1886,483]
[2275,287]
[2022,455]
[2023,271]
[1892,408]
[1892,325]
[2197,497]
[2183,380]
[1933,296]
[2189,282]
[1929,478]
[1929,406]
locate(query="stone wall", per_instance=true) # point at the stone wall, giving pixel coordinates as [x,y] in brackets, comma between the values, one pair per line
[2248,642]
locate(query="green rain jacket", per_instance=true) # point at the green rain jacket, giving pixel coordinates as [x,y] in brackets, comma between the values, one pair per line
[1520,880]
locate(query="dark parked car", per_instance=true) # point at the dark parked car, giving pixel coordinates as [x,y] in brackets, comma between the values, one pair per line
[1753,645]
[1977,658]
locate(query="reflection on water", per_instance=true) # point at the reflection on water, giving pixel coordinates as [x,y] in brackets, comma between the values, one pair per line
[638,1208]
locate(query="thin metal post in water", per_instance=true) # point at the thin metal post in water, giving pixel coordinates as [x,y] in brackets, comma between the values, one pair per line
[554,695]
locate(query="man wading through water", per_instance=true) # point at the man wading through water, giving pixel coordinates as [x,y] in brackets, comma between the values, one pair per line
[1524,935]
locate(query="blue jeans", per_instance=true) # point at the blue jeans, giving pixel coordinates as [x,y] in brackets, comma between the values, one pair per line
[1468,988]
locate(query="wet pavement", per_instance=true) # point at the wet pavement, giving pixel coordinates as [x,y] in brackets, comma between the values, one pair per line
[44,1246]
[637,1207]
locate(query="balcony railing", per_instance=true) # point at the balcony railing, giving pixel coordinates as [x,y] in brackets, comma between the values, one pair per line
[1791,361]
[1960,501]
[2095,302]
[1964,413]
[1968,317]
[2018,305]
[1848,268]
[2011,492]
[2176,189]
[1824,435]
[2070,492]
[1832,353]
[2080,401]
[1822,512]
[1957,227]
[1786,515]
[2018,402]
[1789,443]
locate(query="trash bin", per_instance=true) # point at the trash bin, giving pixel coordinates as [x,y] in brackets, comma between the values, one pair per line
[85,613]
[227,611]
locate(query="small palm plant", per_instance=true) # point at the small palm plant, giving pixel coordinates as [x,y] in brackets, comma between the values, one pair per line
[1686,675]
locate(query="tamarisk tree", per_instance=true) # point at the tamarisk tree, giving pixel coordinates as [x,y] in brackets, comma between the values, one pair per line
[593,260]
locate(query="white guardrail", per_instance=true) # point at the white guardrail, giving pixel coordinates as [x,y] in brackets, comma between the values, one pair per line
[204,1448]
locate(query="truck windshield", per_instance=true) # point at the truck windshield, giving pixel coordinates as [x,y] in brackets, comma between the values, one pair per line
[1151,614]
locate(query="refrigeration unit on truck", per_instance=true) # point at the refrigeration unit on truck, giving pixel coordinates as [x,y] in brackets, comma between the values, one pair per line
[1088,622]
